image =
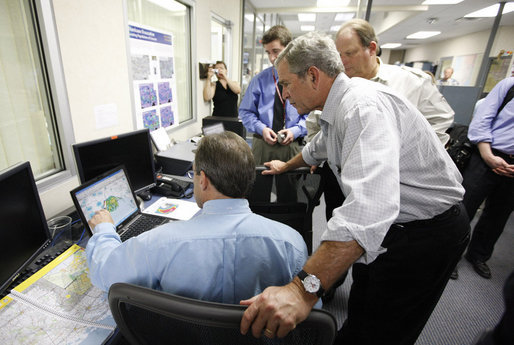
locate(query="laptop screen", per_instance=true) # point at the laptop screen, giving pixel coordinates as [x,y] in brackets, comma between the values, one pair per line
[23,229]
[110,191]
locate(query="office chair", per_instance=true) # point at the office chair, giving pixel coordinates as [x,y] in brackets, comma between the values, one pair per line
[147,316]
[296,213]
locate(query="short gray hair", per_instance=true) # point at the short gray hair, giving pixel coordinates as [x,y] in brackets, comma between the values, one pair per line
[312,49]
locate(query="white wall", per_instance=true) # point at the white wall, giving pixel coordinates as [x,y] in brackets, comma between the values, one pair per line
[92,42]
[466,45]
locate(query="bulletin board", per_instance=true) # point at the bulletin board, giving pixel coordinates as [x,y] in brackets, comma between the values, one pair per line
[499,69]
[153,77]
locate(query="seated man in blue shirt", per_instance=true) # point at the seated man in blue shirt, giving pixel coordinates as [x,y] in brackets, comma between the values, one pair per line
[225,253]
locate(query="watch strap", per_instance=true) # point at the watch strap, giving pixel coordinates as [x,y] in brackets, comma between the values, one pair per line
[302,275]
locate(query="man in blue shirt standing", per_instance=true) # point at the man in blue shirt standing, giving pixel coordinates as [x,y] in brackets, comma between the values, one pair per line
[225,253]
[490,173]
[278,128]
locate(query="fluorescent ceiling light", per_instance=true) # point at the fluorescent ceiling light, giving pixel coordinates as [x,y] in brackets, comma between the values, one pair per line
[335,28]
[249,17]
[390,45]
[441,2]
[307,27]
[420,35]
[343,17]
[332,3]
[491,11]
[307,17]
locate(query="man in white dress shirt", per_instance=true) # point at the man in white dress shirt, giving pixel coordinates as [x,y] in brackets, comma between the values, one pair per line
[357,45]
[402,222]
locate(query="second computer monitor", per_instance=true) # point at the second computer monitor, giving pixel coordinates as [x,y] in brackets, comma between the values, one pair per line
[133,150]
[23,229]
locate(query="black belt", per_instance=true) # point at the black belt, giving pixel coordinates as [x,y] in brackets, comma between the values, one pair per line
[507,157]
[454,210]
[299,139]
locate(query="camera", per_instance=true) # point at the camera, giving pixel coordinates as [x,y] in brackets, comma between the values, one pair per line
[281,137]
[215,70]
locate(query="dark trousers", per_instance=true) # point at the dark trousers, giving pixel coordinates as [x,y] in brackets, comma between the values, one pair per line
[392,298]
[333,199]
[331,190]
[503,333]
[481,183]
[285,184]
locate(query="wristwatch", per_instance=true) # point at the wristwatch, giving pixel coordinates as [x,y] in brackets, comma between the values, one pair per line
[311,283]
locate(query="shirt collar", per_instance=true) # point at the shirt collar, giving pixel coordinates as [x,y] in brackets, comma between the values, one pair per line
[222,206]
[381,76]
[332,102]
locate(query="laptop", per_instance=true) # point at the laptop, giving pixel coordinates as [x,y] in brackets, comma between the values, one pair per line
[112,191]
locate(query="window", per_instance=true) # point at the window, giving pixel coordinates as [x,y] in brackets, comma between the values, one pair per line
[172,17]
[217,41]
[221,40]
[28,122]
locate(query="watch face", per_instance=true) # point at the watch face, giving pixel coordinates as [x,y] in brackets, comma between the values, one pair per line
[311,284]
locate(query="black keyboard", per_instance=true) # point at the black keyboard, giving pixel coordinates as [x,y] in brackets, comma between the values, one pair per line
[41,261]
[140,225]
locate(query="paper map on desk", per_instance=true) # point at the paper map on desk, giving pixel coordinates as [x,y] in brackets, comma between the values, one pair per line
[64,287]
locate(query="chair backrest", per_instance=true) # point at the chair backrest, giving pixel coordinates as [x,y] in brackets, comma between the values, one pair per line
[146,316]
[297,214]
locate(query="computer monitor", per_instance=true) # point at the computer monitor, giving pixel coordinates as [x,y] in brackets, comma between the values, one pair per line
[213,128]
[24,232]
[232,124]
[133,150]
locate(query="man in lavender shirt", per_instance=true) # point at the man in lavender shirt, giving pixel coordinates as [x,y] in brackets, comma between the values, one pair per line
[490,173]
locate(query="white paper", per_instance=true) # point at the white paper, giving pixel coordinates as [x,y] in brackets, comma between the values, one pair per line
[161,139]
[173,208]
[106,115]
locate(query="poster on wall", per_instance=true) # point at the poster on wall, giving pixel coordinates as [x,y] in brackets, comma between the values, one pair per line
[153,75]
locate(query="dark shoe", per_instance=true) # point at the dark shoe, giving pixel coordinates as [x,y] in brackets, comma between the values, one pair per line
[455,274]
[480,267]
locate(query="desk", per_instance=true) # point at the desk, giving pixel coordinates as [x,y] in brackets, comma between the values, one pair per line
[63,287]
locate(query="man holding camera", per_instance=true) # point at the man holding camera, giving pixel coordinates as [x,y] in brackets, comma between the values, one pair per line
[278,128]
